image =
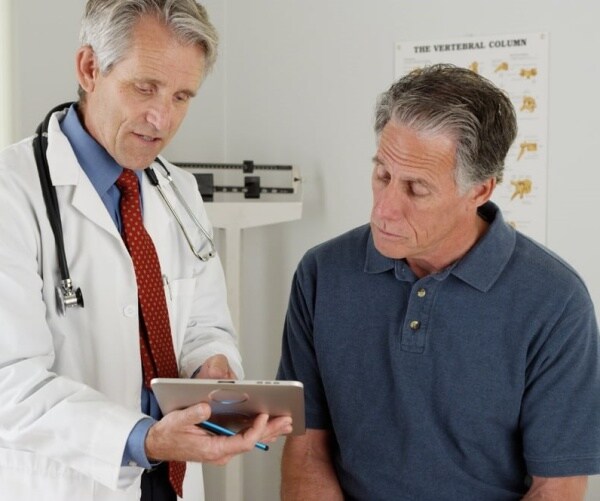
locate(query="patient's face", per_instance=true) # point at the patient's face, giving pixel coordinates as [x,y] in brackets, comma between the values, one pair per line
[418,212]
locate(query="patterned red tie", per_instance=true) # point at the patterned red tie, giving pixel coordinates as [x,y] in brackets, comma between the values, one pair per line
[158,355]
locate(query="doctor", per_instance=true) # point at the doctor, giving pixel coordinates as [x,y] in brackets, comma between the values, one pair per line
[77,420]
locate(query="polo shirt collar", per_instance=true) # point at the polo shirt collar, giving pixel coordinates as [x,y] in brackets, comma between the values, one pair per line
[479,268]
[375,262]
[483,264]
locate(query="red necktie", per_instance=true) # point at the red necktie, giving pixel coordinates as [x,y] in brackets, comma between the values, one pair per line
[158,355]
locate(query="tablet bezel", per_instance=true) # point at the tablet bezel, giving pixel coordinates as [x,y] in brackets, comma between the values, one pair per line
[276,398]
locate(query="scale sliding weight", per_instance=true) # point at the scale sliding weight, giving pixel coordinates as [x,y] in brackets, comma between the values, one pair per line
[223,182]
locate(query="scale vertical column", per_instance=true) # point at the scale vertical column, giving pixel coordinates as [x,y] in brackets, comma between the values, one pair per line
[225,483]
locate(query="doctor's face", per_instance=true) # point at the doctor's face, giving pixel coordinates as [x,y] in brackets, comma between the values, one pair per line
[135,109]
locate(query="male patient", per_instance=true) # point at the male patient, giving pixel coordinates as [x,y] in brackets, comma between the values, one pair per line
[445,356]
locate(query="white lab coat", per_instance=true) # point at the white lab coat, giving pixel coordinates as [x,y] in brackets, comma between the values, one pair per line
[70,385]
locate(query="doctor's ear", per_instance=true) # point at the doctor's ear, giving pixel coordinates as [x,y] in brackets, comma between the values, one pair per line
[86,67]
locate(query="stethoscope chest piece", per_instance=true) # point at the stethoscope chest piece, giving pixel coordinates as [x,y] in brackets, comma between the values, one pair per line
[66,297]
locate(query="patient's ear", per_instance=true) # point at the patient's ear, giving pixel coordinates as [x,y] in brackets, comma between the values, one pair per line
[482,192]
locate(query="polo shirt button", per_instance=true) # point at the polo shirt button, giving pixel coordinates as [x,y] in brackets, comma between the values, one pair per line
[129,310]
[421,293]
[415,324]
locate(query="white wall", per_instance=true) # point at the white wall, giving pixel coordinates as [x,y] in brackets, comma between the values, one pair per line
[296,84]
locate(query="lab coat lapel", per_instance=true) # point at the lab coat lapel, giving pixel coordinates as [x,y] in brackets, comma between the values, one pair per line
[66,171]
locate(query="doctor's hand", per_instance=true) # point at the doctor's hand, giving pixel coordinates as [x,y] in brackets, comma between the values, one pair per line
[216,367]
[177,438]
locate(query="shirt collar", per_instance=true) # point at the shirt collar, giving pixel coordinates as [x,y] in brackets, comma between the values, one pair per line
[101,169]
[376,262]
[479,268]
[486,260]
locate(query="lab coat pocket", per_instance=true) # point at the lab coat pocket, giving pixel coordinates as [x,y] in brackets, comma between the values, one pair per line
[180,296]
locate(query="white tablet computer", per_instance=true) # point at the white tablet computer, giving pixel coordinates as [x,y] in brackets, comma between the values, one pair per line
[232,398]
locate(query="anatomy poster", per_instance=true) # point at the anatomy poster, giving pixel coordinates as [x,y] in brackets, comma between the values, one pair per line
[519,65]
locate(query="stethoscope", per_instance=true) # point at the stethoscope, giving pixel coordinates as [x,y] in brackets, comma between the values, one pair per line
[67,295]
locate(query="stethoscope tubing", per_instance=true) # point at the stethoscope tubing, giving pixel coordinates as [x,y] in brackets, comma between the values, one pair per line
[40,145]
[66,294]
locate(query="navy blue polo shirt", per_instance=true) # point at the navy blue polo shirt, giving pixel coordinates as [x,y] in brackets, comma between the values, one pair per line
[457,385]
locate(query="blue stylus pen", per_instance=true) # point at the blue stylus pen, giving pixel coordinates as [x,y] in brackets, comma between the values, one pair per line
[219,430]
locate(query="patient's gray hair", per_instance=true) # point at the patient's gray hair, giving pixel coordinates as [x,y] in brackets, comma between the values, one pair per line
[449,100]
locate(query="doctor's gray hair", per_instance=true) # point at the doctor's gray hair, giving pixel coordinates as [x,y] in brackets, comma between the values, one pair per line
[445,99]
[107,27]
